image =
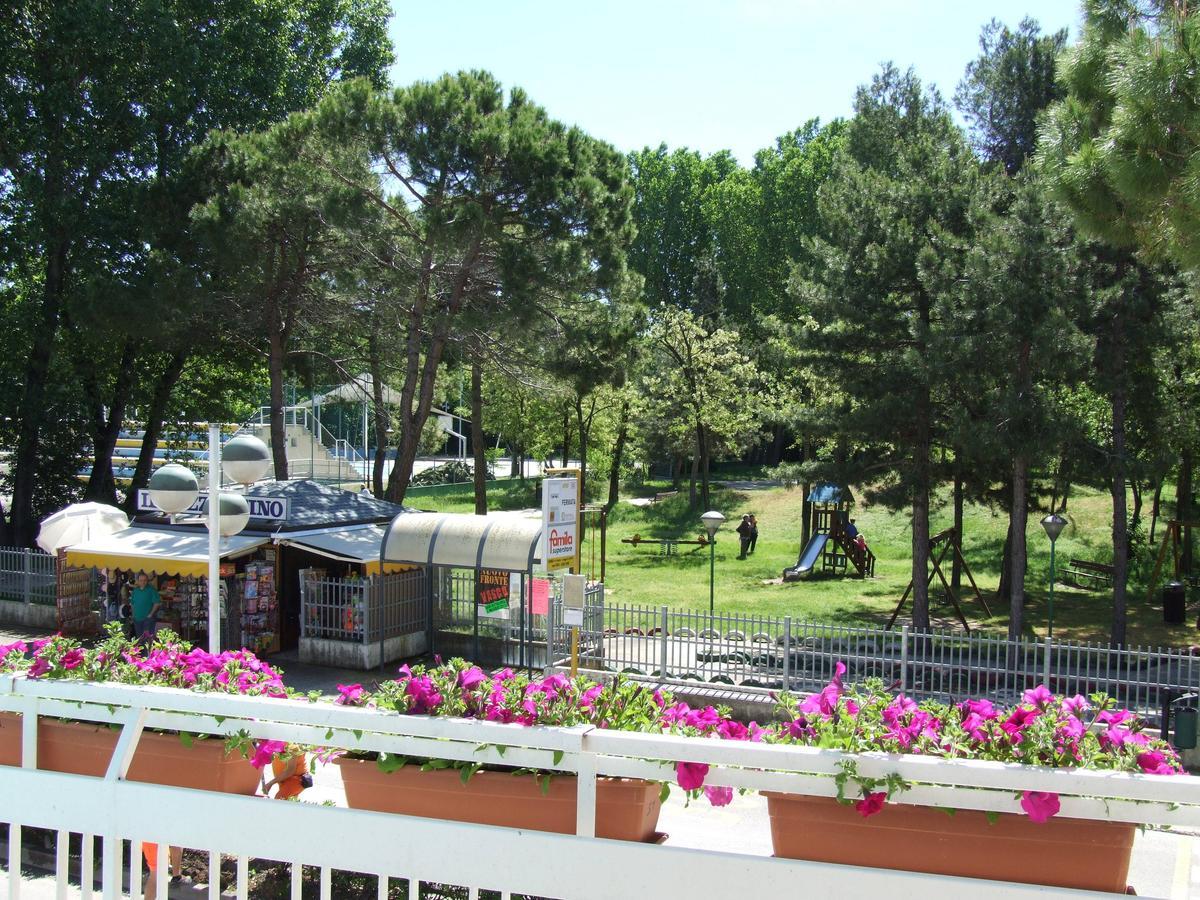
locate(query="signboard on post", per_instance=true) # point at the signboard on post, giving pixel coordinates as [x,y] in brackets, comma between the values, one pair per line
[560,521]
[574,589]
[492,588]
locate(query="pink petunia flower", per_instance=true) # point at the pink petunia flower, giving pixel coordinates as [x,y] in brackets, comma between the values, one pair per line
[719,796]
[690,776]
[265,751]
[871,804]
[350,695]
[1039,696]
[72,659]
[1153,762]
[1039,805]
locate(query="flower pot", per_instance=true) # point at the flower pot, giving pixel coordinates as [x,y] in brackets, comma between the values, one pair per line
[1072,853]
[626,809]
[80,748]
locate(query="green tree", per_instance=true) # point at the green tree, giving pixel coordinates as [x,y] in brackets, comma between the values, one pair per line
[895,222]
[701,392]
[499,205]
[1006,87]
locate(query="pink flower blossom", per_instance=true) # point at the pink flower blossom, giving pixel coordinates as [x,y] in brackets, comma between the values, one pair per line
[265,751]
[871,804]
[1153,762]
[690,776]
[1039,805]
[471,678]
[719,796]
[1075,706]
[1039,696]
[39,668]
[72,659]
[350,694]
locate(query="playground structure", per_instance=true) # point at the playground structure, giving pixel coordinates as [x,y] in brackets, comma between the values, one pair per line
[1172,537]
[830,541]
[666,546]
[940,545]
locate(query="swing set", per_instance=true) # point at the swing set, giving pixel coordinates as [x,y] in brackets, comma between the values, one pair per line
[943,542]
[1173,537]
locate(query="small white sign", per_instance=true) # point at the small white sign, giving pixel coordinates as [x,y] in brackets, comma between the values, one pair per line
[572,617]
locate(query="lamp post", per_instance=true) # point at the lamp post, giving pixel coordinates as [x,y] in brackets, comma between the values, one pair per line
[1054,524]
[712,521]
[173,489]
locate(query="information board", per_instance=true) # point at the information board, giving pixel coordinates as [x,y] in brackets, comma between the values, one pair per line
[560,522]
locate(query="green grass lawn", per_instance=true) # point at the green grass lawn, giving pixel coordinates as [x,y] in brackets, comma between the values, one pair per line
[640,575]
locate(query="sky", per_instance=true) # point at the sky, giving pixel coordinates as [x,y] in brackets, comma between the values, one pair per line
[704,74]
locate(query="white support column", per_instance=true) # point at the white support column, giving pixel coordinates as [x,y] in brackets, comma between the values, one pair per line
[585,801]
[214,875]
[14,861]
[62,862]
[29,727]
[87,866]
[122,758]
[111,867]
[214,539]
[297,880]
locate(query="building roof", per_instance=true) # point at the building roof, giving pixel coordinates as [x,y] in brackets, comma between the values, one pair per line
[462,540]
[830,494]
[310,505]
[157,551]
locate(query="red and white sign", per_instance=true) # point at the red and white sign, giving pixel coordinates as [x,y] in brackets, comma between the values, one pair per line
[560,521]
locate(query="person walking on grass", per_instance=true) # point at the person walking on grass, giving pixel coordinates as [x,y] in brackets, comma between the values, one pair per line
[744,532]
[753,532]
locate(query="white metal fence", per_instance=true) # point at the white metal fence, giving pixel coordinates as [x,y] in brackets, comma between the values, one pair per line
[363,610]
[404,851]
[27,575]
[772,652]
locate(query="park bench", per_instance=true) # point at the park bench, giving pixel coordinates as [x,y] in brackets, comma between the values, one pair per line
[665,495]
[1085,573]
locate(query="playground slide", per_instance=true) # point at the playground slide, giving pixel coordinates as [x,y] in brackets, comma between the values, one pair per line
[808,557]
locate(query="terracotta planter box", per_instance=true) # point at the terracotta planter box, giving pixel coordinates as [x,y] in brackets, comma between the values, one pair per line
[626,809]
[1073,853]
[80,748]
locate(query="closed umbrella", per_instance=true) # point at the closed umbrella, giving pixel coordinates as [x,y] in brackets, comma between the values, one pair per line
[79,522]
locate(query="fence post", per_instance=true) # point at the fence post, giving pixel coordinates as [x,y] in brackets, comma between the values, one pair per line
[662,638]
[28,577]
[787,653]
[904,658]
[1046,665]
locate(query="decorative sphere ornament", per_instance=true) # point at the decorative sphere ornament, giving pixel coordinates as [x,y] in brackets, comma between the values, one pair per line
[173,488]
[235,514]
[245,458]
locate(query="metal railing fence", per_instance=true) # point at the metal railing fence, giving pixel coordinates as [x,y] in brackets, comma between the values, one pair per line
[401,851]
[363,610]
[27,575]
[786,653]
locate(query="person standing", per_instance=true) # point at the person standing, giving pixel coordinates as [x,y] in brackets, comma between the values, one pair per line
[753,532]
[743,531]
[146,602]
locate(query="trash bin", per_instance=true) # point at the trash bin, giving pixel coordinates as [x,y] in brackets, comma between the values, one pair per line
[1174,603]
[1185,727]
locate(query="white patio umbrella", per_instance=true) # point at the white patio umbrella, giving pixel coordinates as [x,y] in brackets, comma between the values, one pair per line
[79,522]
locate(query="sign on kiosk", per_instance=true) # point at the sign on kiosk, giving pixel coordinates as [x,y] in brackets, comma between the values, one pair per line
[560,522]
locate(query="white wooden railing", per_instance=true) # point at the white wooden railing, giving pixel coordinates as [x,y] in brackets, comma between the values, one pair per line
[511,861]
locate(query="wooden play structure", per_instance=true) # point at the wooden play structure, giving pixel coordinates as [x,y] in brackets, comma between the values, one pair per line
[940,545]
[666,546]
[1172,537]
[833,540]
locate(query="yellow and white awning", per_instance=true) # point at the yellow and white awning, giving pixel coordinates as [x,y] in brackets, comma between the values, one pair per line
[157,552]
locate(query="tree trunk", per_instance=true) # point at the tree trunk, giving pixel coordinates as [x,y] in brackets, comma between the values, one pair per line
[32,410]
[583,450]
[920,558]
[1183,507]
[1018,519]
[704,464]
[477,440]
[102,486]
[956,564]
[278,431]
[695,473]
[382,417]
[1135,516]
[155,413]
[805,516]
[1120,520]
[1155,508]
[1004,589]
[566,439]
[614,473]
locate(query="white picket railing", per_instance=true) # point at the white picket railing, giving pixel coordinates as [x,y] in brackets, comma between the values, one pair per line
[511,861]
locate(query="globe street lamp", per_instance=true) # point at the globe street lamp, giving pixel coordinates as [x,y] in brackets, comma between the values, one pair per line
[173,489]
[1054,524]
[712,521]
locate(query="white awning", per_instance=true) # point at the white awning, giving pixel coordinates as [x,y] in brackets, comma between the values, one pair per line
[461,540]
[157,552]
[359,545]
